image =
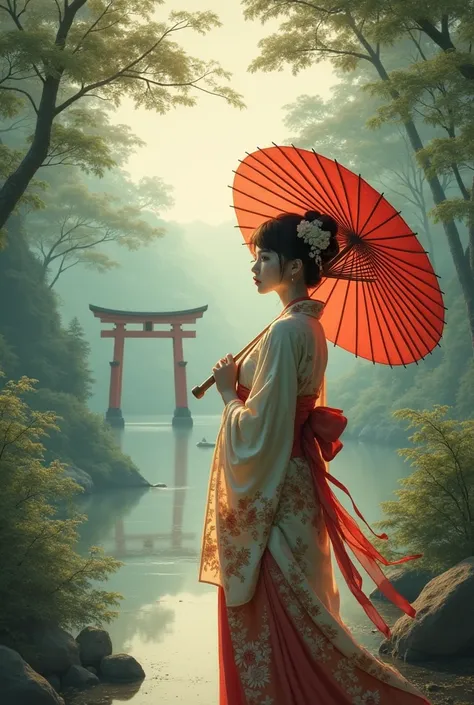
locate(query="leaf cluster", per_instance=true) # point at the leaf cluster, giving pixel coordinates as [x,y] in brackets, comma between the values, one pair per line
[434,510]
[110,50]
[42,576]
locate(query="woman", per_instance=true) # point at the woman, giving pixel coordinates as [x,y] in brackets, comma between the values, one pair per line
[271,516]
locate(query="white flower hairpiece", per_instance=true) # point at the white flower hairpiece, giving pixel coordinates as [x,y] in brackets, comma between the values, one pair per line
[315,237]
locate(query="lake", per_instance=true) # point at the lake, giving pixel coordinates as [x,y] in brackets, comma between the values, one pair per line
[168,619]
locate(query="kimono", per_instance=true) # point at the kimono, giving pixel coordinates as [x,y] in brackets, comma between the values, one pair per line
[270,524]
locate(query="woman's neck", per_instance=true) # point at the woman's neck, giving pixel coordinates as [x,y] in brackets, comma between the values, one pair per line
[298,290]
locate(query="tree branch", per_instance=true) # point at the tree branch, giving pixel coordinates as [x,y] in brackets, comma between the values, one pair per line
[461,185]
[417,43]
[93,25]
[20,90]
[16,20]
[60,15]
[120,72]
[445,26]
[459,473]
[443,40]
[60,271]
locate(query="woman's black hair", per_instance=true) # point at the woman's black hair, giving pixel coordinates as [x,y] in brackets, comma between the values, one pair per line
[280,235]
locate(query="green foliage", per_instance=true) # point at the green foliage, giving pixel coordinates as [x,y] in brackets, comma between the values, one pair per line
[10,159]
[30,322]
[85,440]
[53,58]
[77,223]
[73,147]
[434,89]
[337,128]
[111,50]
[10,105]
[95,122]
[79,350]
[311,33]
[454,208]
[42,576]
[70,219]
[434,512]
[434,18]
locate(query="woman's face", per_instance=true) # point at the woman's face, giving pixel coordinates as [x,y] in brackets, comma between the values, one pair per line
[266,271]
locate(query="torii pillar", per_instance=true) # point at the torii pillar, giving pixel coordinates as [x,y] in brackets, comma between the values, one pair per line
[147,321]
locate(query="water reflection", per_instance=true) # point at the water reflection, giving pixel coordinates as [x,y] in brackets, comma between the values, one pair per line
[168,619]
[155,543]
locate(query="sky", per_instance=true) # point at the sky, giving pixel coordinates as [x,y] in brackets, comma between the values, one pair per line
[196,149]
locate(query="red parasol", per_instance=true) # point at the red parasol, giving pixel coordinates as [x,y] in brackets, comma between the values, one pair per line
[382,297]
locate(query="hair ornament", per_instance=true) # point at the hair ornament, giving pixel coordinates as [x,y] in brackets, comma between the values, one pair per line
[315,237]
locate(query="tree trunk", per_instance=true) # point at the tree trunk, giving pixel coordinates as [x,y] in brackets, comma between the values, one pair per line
[18,181]
[429,237]
[471,233]
[443,40]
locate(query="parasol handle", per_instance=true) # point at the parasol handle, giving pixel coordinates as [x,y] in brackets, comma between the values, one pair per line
[200,389]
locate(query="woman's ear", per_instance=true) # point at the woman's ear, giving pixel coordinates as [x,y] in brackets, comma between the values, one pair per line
[296,266]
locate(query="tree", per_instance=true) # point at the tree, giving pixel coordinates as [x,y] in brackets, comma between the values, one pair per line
[436,19]
[30,322]
[347,34]
[76,223]
[95,126]
[434,512]
[106,49]
[42,577]
[74,214]
[432,88]
[79,351]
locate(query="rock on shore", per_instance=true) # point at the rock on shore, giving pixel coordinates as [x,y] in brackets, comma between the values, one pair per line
[444,623]
[49,661]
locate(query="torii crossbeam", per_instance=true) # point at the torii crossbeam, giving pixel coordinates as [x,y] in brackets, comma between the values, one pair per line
[147,322]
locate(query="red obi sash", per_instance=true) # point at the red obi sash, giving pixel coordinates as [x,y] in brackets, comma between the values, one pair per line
[316,437]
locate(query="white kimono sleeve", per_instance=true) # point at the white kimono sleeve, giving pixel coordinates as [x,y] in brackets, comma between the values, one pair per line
[259,434]
[252,453]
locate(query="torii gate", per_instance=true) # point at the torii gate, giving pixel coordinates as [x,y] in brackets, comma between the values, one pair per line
[120,319]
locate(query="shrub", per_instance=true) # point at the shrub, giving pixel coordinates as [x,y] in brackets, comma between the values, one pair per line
[434,512]
[42,576]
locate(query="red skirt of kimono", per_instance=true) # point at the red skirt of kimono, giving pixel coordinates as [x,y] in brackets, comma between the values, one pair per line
[272,664]
[271,651]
